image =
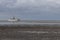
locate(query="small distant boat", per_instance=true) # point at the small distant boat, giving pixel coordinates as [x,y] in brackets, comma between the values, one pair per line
[13,19]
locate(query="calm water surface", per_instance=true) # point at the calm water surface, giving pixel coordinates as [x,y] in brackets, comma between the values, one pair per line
[26,23]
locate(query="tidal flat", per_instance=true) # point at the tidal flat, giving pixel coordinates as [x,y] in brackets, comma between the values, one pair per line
[27,32]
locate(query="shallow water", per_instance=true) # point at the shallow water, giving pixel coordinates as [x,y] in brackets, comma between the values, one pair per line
[31,23]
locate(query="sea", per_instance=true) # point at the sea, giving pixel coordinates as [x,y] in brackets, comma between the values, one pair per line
[29,23]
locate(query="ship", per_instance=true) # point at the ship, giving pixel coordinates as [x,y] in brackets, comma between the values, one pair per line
[13,19]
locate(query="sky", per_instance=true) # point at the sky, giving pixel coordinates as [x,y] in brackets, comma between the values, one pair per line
[30,9]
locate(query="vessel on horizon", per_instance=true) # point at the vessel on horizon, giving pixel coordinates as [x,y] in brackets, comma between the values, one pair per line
[14,19]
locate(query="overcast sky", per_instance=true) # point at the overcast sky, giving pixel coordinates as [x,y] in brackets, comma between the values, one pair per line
[30,9]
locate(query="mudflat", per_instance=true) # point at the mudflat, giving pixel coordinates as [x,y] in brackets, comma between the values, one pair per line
[30,33]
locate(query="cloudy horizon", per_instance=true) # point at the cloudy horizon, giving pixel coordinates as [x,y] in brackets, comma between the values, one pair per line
[30,9]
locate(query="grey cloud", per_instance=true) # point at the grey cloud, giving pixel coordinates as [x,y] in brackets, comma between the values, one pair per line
[30,8]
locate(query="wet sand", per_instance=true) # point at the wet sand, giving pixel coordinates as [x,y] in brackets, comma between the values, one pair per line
[29,33]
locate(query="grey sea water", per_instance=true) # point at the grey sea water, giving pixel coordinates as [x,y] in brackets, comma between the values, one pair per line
[29,23]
